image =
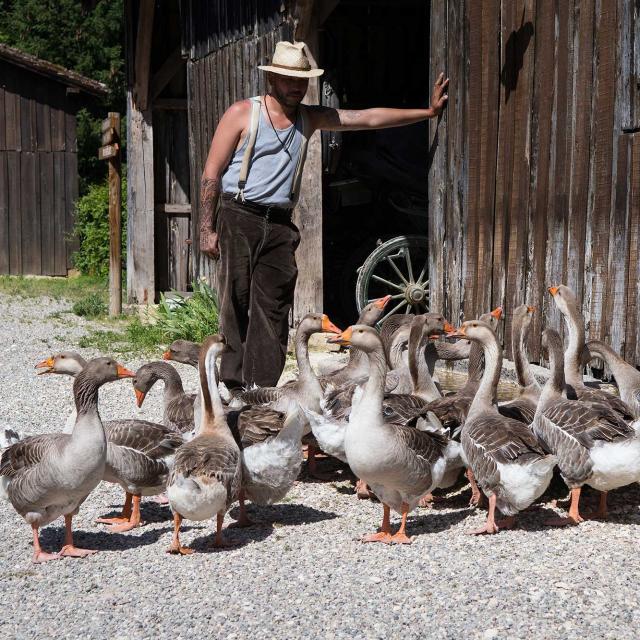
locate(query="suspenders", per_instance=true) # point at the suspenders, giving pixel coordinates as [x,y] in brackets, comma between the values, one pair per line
[248,152]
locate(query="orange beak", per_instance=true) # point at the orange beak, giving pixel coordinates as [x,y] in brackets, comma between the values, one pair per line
[448,327]
[344,339]
[381,303]
[46,365]
[328,326]
[497,313]
[553,290]
[125,373]
[167,355]
[530,309]
[457,333]
[139,397]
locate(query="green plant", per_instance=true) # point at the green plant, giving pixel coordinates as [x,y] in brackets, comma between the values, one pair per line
[90,306]
[92,230]
[192,318]
[71,289]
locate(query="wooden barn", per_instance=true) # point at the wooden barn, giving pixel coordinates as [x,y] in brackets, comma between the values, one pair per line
[530,178]
[38,162]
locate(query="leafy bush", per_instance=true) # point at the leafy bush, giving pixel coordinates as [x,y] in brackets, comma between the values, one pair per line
[91,228]
[192,318]
[90,306]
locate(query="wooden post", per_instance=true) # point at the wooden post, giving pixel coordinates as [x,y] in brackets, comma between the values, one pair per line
[110,151]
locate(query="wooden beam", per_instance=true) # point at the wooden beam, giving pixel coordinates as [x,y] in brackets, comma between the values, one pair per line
[303,16]
[143,53]
[167,71]
[308,212]
[173,209]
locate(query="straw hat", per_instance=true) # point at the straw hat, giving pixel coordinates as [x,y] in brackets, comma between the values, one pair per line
[291,60]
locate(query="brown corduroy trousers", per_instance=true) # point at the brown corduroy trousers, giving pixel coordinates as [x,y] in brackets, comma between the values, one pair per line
[256,275]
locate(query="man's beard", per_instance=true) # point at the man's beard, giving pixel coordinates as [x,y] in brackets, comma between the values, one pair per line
[284,99]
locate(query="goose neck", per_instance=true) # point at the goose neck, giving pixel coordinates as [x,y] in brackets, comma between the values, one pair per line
[486,392]
[423,384]
[85,392]
[573,353]
[373,394]
[170,377]
[520,359]
[625,374]
[554,387]
[213,416]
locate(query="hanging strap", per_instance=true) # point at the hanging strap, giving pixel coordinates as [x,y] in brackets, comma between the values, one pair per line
[248,152]
[297,176]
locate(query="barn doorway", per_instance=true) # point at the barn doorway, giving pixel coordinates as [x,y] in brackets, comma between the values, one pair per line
[375,53]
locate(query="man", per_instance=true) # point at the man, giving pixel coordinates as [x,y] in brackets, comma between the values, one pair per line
[255,182]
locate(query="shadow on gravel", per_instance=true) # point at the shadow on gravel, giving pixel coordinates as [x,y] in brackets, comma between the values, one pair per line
[151,512]
[235,537]
[434,522]
[53,537]
[286,515]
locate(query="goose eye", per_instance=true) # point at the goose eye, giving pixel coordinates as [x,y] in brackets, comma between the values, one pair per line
[387,411]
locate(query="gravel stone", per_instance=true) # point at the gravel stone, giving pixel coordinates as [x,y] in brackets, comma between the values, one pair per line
[302,573]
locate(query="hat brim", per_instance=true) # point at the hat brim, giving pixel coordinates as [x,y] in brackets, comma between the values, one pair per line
[312,73]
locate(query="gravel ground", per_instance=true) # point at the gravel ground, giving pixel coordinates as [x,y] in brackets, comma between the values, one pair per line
[302,573]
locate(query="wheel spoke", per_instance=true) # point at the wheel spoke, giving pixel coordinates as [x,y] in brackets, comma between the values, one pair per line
[391,312]
[422,273]
[407,257]
[387,282]
[395,268]
[408,308]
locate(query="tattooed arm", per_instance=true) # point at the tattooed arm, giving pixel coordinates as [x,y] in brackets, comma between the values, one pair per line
[228,135]
[330,119]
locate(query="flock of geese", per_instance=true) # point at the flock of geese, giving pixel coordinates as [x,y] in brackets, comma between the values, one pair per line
[383,414]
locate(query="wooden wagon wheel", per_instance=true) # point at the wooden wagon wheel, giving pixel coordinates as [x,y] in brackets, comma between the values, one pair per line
[399,267]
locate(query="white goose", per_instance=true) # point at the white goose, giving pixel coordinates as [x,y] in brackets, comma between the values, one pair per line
[207,472]
[48,476]
[401,464]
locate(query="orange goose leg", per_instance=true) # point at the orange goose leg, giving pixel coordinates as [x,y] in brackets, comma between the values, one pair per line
[38,554]
[70,549]
[133,522]
[490,524]
[574,516]
[244,520]
[312,464]
[219,542]
[476,494]
[362,490]
[124,516]
[401,537]
[384,535]
[176,547]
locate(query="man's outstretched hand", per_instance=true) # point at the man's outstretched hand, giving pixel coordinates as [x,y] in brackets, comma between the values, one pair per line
[439,97]
[209,244]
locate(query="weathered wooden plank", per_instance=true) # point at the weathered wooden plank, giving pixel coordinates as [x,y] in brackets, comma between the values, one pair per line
[604,95]
[27,119]
[12,114]
[47,214]
[165,73]
[437,171]
[71,195]
[30,236]
[70,137]
[457,140]
[4,214]
[143,54]
[140,205]
[3,117]
[178,255]
[474,64]
[632,341]
[59,213]
[15,213]
[543,98]
[581,144]
[43,123]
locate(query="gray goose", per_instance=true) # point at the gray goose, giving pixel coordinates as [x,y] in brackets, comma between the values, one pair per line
[183,351]
[139,453]
[506,458]
[207,472]
[576,389]
[592,443]
[523,407]
[48,476]
[400,463]
[627,376]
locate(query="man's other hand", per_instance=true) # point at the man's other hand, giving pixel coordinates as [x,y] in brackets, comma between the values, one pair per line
[439,97]
[209,245]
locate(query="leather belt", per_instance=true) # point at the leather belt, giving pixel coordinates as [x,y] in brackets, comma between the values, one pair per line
[270,212]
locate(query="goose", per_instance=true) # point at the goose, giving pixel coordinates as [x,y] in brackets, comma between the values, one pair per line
[523,407]
[139,452]
[48,476]
[506,458]
[207,471]
[592,443]
[400,463]
[566,302]
[627,376]
[184,351]
[178,406]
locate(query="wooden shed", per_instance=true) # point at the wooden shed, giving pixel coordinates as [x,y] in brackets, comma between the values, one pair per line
[531,177]
[38,162]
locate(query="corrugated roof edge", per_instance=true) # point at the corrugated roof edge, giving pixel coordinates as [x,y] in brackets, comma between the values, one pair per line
[51,70]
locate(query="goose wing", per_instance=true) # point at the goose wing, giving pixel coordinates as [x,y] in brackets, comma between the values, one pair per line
[402,408]
[260,395]
[149,438]
[29,451]
[520,409]
[599,396]
[179,412]
[451,410]
[251,425]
